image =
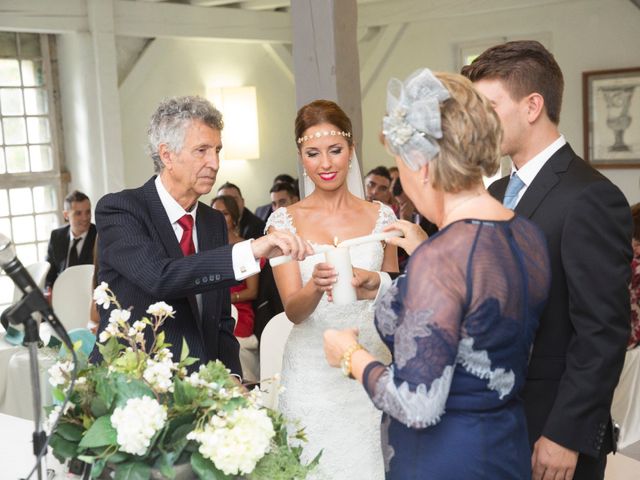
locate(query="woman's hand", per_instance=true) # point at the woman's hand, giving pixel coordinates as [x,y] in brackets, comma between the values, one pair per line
[336,342]
[366,283]
[413,235]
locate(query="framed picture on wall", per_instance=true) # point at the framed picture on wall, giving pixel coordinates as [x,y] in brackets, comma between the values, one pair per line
[611,103]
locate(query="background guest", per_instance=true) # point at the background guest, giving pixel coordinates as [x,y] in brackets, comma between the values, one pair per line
[377,185]
[283,195]
[242,295]
[634,286]
[250,226]
[263,211]
[461,321]
[72,244]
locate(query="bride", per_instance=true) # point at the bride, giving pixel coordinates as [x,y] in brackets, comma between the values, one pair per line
[337,415]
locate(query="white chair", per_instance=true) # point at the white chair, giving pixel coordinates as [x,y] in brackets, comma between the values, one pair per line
[38,272]
[72,295]
[272,342]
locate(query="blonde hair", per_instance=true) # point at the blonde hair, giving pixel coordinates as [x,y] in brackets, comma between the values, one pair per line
[470,145]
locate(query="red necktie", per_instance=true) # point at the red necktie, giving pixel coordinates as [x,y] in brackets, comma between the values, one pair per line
[186,242]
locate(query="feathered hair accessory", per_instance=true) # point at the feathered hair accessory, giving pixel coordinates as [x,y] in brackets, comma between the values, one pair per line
[413,122]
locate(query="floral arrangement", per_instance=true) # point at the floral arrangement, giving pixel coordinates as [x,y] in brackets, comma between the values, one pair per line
[139,410]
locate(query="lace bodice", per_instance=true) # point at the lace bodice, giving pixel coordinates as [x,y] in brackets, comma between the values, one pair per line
[337,415]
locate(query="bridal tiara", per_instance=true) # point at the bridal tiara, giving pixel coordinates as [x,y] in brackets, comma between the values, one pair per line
[323,133]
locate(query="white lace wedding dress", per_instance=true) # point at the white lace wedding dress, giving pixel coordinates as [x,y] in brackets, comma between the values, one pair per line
[338,416]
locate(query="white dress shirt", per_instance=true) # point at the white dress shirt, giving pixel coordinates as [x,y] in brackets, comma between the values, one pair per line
[530,169]
[244,263]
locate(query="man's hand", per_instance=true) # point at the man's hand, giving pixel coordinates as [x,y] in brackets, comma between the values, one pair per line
[413,235]
[551,461]
[279,243]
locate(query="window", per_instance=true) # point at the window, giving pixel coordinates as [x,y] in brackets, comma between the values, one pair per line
[30,180]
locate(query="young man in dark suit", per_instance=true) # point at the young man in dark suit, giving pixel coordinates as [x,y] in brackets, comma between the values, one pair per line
[72,244]
[580,345]
[159,243]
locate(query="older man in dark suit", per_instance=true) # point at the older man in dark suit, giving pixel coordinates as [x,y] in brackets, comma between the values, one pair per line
[158,242]
[579,349]
[72,244]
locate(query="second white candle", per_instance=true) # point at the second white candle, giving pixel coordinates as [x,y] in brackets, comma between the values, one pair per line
[343,291]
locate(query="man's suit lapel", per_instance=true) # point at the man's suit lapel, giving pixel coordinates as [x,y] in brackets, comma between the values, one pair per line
[546,179]
[160,221]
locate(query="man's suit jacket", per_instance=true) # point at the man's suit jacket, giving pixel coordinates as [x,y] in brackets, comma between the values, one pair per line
[263,212]
[579,348]
[250,225]
[59,248]
[140,258]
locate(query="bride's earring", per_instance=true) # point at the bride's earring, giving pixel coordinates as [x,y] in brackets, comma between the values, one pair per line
[350,161]
[304,173]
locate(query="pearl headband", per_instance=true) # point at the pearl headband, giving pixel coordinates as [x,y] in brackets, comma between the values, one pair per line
[323,133]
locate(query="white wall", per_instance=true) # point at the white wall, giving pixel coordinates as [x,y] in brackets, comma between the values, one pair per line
[592,35]
[186,67]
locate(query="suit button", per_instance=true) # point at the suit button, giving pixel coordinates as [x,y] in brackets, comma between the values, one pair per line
[217,277]
[205,279]
[197,281]
[212,278]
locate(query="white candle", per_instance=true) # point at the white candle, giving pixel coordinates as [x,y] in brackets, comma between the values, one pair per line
[343,292]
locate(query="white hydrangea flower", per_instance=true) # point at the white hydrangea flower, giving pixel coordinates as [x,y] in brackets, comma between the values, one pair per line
[161,309]
[237,442]
[100,295]
[60,372]
[159,371]
[137,422]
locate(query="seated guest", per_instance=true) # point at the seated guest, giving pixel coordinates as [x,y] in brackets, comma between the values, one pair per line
[461,321]
[72,244]
[264,211]
[242,295]
[377,185]
[250,226]
[283,195]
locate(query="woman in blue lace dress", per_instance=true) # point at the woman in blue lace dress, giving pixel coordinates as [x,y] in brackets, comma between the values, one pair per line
[460,322]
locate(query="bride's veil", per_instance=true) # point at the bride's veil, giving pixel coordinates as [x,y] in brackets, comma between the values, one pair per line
[354,179]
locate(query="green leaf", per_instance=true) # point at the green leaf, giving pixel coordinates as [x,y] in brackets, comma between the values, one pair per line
[110,350]
[100,434]
[165,464]
[183,393]
[99,407]
[205,469]
[185,351]
[128,388]
[105,387]
[58,394]
[63,448]
[70,431]
[97,467]
[133,471]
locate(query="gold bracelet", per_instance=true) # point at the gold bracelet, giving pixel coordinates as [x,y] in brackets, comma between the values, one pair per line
[236,295]
[345,363]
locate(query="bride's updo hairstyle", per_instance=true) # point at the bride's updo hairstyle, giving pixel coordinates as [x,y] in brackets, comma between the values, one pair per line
[440,119]
[322,111]
[471,136]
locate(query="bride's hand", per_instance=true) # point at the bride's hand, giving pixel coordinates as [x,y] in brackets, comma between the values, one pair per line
[336,342]
[366,283]
[323,277]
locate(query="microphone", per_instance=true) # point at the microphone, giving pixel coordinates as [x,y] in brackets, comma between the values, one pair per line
[15,270]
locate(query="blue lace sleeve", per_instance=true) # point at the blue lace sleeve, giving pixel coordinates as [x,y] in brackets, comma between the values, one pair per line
[422,315]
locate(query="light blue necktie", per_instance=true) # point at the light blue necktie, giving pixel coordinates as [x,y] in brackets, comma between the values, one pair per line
[513,189]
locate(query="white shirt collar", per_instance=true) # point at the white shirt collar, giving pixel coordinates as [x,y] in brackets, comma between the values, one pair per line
[174,209]
[529,171]
[81,237]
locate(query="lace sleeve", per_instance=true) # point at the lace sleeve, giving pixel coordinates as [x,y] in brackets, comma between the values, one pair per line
[280,220]
[423,317]
[385,217]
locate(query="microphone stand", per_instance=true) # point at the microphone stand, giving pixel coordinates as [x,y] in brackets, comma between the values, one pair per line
[22,312]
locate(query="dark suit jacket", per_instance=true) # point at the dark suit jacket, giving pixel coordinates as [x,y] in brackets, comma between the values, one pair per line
[250,225]
[580,344]
[59,248]
[140,258]
[263,212]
